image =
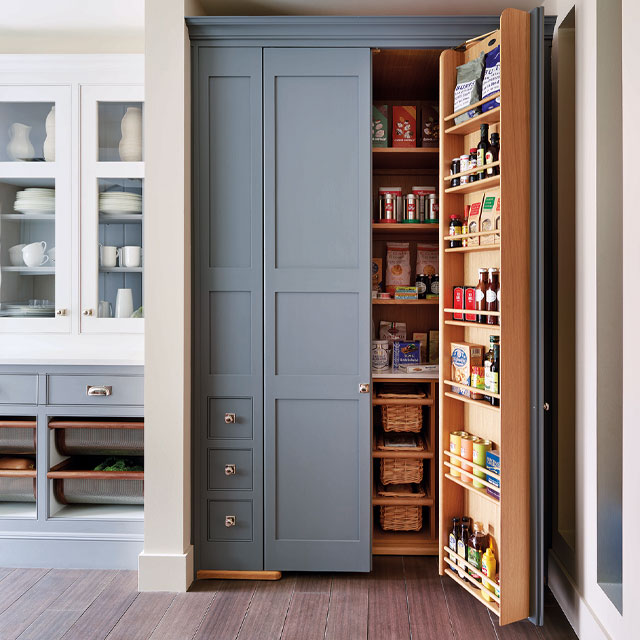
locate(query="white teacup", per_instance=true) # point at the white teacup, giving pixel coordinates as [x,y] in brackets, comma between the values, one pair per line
[108,255]
[33,254]
[15,255]
[52,255]
[129,256]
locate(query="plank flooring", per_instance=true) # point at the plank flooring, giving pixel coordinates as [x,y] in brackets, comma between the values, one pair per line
[401,599]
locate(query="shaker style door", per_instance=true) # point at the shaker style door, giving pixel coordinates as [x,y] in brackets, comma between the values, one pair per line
[227,447]
[317,309]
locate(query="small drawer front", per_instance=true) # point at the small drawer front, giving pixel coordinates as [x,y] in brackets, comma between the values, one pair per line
[230,418]
[96,390]
[230,520]
[230,469]
[18,389]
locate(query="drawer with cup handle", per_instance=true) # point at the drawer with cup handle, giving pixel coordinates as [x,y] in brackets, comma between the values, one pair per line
[95,389]
[229,469]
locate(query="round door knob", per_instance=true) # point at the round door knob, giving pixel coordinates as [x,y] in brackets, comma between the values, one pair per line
[229,469]
[230,418]
[61,312]
[230,521]
[87,312]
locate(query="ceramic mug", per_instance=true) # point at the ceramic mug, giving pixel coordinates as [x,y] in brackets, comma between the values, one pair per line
[104,309]
[124,303]
[108,256]
[52,255]
[33,254]
[15,255]
[129,256]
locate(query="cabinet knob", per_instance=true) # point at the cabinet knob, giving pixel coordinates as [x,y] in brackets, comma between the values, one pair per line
[87,312]
[61,312]
[363,388]
[229,469]
[230,521]
[230,418]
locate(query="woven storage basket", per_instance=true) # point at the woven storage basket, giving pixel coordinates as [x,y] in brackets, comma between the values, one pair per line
[401,518]
[400,470]
[401,417]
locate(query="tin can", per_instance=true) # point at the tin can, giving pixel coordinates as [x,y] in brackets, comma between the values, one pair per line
[422,195]
[466,452]
[411,208]
[480,448]
[454,446]
[464,165]
[387,204]
[380,355]
[432,208]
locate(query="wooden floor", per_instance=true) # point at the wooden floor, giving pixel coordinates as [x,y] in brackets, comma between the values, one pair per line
[404,598]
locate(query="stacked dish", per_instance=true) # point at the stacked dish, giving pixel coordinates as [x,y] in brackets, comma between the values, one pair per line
[35,200]
[34,308]
[120,202]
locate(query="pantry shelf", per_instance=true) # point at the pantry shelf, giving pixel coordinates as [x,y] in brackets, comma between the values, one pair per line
[475,170]
[478,185]
[31,271]
[402,543]
[469,487]
[17,473]
[398,158]
[477,403]
[392,375]
[450,383]
[471,107]
[460,561]
[388,501]
[473,325]
[402,401]
[402,228]
[472,464]
[473,124]
[481,247]
[471,476]
[410,455]
[406,302]
[484,313]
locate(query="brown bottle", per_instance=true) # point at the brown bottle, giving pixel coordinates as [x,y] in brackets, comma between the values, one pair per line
[492,294]
[476,546]
[462,543]
[481,294]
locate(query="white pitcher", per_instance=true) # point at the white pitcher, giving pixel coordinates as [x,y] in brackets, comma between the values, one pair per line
[50,141]
[20,147]
[130,147]
[124,303]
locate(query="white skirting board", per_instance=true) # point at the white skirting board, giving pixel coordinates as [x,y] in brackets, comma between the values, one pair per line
[165,571]
[575,608]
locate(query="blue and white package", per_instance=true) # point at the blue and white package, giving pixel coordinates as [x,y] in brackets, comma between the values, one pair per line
[405,352]
[491,79]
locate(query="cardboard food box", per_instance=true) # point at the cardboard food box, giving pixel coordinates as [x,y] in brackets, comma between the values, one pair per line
[393,330]
[424,341]
[490,217]
[406,352]
[464,355]
[406,293]
[458,302]
[376,274]
[404,126]
[474,222]
[380,125]
[470,303]
[493,464]
[429,131]
[434,347]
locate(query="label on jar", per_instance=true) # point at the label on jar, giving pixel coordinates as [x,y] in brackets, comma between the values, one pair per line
[479,295]
[435,287]
[491,381]
[491,295]
[480,157]
[421,287]
[474,557]
[452,542]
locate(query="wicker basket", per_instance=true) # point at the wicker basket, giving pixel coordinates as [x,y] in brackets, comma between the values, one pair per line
[401,417]
[400,470]
[401,518]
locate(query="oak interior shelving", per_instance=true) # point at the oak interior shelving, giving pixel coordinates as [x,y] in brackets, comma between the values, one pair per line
[406,302]
[507,426]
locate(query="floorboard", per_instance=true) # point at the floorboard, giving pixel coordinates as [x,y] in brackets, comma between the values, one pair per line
[313,583]
[268,609]
[142,617]
[21,580]
[307,616]
[428,614]
[50,624]
[556,626]
[84,591]
[388,610]
[105,611]
[348,607]
[16,618]
[4,572]
[183,618]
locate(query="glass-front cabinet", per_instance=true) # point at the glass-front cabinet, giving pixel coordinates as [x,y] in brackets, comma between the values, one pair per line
[35,208]
[112,193]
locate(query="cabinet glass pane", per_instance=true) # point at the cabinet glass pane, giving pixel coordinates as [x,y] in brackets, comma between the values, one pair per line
[120,252]
[27,131]
[120,131]
[27,248]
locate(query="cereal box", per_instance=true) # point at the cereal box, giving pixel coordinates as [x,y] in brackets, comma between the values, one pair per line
[380,125]
[424,341]
[430,125]
[464,355]
[434,347]
[404,126]
[493,464]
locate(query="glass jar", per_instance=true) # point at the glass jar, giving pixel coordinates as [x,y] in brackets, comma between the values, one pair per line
[380,353]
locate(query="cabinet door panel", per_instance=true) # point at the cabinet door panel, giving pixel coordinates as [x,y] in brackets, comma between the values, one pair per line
[317,313]
[228,307]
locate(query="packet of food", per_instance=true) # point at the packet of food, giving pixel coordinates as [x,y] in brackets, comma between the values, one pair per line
[398,266]
[468,88]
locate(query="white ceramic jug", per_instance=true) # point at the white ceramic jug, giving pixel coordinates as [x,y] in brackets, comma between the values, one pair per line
[50,141]
[20,147]
[124,303]
[130,147]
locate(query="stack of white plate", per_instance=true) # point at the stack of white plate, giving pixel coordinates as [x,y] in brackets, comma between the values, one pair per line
[34,200]
[120,202]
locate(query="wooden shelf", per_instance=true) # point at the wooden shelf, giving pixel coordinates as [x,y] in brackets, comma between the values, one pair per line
[391,375]
[406,302]
[403,543]
[473,171]
[475,234]
[475,105]
[478,185]
[412,401]
[425,158]
[69,469]
[470,487]
[17,473]
[410,455]
[474,592]
[459,560]
[469,474]
[478,403]
[90,424]
[469,126]
[390,501]
[482,313]
[473,325]
[478,247]
[402,227]
[450,383]
[474,466]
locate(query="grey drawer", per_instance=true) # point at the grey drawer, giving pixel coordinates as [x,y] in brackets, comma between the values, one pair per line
[242,411]
[125,390]
[217,512]
[18,389]
[241,460]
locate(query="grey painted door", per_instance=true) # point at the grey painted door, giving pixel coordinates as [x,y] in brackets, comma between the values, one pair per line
[317,168]
[228,347]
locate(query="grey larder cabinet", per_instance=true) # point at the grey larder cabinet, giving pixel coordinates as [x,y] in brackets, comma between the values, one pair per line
[282,317]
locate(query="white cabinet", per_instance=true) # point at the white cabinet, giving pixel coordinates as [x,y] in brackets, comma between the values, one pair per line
[71,182]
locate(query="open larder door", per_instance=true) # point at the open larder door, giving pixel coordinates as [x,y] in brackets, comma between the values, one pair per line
[491,435]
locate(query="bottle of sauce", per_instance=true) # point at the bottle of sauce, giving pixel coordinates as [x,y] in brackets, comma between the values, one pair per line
[493,383]
[492,294]
[493,155]
[454,534]
[498,300]
[462,547]
[476,546]
[465,224]
[473,163]
[455,229]
[481,153]
[481,294]
[488,570]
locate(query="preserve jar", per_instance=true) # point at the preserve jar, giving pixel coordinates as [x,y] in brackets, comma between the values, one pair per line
[380,352]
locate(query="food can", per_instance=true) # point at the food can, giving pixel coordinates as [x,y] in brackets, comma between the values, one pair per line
[454,447]
[464,166]
[432,213]
[411,208]
[423,194]
[387,203]
[380,355]
[422,285]
[480,448]
[466,452]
